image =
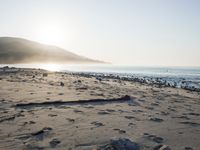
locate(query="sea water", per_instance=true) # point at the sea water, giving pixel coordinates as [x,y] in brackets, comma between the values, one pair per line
[181,77]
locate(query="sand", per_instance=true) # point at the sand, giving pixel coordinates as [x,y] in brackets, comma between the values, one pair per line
[42,110]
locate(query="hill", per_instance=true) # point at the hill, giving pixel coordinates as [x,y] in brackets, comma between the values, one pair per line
[22,51]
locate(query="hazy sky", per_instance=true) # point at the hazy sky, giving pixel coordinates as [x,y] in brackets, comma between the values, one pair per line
[135,32]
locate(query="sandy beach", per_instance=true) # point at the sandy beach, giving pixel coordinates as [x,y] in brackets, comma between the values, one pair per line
[51,110]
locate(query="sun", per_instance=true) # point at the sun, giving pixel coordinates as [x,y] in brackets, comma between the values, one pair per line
[50,32]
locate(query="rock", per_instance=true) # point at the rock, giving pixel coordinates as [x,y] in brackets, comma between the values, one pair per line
[45,74]
[54,143]
[41,133]
[121,144]
[158,139]
[162,147]
[62,84]
[99,78]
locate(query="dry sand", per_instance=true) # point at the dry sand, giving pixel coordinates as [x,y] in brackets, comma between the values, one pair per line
[33,115]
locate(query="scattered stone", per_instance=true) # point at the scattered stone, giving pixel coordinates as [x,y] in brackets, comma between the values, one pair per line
[54,143]
[99,79]
[41,133]
[158,139]
[122,131]
[120,144]
[62,84]
[129,117]
[45,74]
[31,122]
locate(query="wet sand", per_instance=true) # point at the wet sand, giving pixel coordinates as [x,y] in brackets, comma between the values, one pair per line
[49,110]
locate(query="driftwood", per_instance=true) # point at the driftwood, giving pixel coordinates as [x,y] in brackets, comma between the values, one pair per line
[89,101]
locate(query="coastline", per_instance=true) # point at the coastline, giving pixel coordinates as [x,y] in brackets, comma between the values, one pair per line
[157,115]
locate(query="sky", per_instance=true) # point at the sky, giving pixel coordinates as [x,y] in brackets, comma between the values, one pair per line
[129,32]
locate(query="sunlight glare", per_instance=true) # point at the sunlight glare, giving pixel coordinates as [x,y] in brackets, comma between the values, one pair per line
[51,32]
[51,67]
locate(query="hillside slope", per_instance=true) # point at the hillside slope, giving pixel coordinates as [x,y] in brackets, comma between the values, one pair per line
[18,50]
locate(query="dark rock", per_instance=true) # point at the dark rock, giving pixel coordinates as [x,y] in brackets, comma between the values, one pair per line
[41,133]
[188,148]
[54,143]
[70,120]
[45,74]
[158,139]
[62,84]
[129,117]
[122,131]
[121,144]
[99,78]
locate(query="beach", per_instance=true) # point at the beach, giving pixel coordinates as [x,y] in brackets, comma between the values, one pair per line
[58,110]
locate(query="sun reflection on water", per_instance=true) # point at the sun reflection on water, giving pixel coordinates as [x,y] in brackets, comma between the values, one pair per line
[51,67]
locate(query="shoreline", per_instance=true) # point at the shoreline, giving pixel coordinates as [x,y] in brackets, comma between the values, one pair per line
[149,117]
[160,81]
